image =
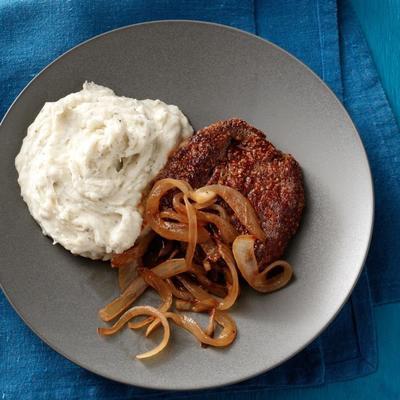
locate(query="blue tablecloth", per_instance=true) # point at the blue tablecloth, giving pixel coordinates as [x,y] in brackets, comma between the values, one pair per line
[325,36]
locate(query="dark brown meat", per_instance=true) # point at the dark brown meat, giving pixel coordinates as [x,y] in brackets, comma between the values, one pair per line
[235,154]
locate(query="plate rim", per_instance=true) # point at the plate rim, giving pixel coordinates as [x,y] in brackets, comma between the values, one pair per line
[371,199]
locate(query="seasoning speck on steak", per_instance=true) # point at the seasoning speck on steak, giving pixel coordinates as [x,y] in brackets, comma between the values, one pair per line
[236,154]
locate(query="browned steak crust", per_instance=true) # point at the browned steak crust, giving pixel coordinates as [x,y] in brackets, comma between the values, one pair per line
[235,154]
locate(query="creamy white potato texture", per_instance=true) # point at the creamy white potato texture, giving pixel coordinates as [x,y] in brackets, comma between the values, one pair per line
[85,162]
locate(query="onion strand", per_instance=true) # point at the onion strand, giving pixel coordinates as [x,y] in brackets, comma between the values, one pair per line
[243,250]
[134,312]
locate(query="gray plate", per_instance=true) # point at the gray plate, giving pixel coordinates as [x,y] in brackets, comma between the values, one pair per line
[211,72]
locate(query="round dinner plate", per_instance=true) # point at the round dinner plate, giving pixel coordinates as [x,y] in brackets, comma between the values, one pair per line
[211,72]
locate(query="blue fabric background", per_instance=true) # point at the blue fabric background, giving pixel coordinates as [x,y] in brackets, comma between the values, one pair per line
[380,22]
[327,38]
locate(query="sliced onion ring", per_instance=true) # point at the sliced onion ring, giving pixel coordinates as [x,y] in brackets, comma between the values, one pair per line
[212,287]
[198,293]
[204,202]
[225,338]
[194,306]
[183,305]
[167,269]
[227,231]
[210,326]
[126,274]
[211,323]
[169,230]
[134,312]
[243,250]
[152,327]
[203,197]
[192,236]
[221,211]
[233,291]
[178,292]
[162,288]
[173,215]
[240,205]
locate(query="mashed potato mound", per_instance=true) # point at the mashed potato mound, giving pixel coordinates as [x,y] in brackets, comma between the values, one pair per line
[85,162]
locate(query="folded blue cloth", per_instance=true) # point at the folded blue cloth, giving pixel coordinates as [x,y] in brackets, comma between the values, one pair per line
[366,102]
[325,37]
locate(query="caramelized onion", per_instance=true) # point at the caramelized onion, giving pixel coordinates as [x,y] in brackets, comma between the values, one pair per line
[203,196]
[225,338]
[126,274]
[173,215]
[240,205]
[183,305]
[134,312]
[152,327]
[167,269]
[212,287]
[243,250]
[124,301]
[211,323]
[194,306]
[205,298]
[227,231]
[161,288]
[179,293]
[192,222]
[178,205]
[210,326]
[233,291]
[195,219]
[203,306]
[176,230]
[169,230]
[198,293]
[221,211]
[276,281]
[204,204]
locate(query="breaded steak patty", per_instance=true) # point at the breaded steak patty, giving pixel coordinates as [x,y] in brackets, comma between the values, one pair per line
[236,154]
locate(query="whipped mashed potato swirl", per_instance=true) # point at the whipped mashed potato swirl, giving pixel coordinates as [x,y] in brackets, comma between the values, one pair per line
[86,161]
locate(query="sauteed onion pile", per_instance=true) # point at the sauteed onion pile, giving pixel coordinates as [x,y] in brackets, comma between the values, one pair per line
[190,253]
